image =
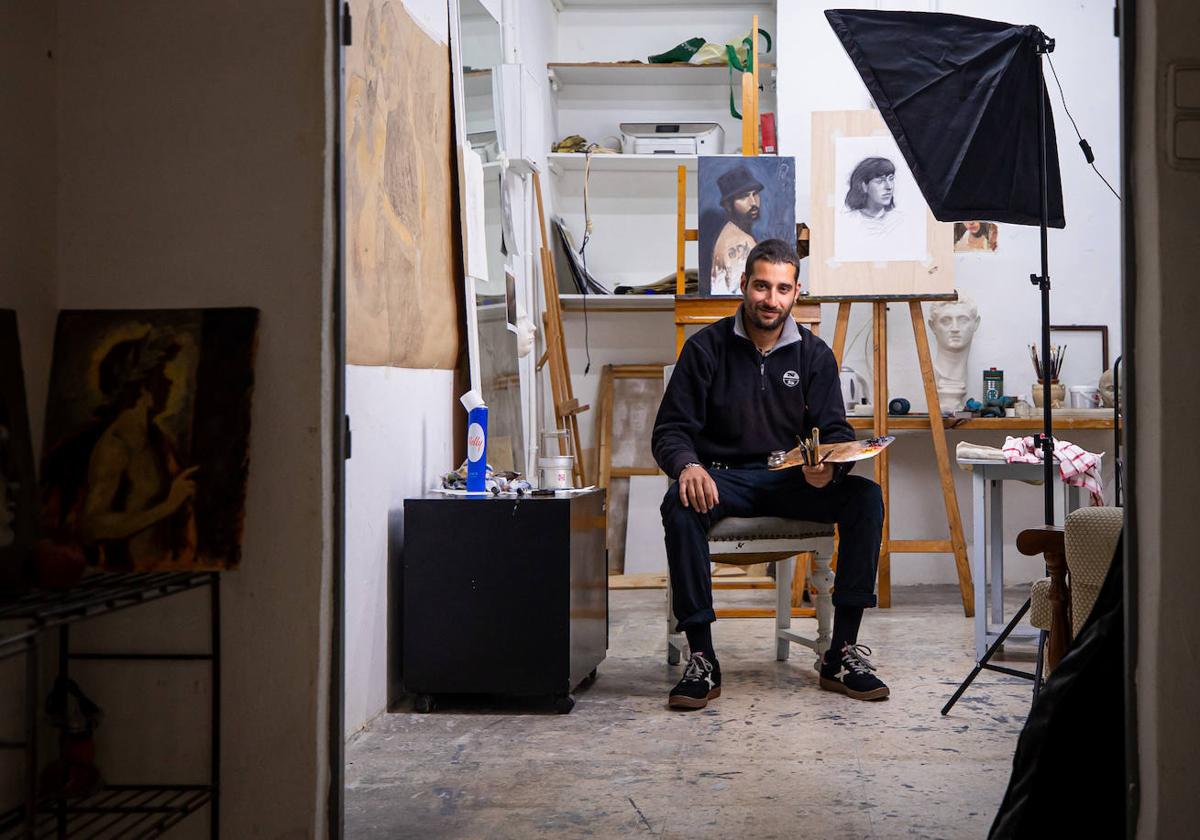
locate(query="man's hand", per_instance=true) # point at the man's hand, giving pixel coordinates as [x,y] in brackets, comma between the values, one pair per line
[697,489]
[818,476]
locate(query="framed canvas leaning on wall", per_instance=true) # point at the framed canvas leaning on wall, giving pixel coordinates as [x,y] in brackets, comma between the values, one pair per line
[146,448]
[872,232]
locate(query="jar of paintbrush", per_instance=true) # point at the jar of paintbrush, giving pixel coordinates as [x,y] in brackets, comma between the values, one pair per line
[1052,366]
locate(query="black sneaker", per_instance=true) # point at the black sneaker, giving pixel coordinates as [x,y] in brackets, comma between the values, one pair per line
[701,682]
[857,681]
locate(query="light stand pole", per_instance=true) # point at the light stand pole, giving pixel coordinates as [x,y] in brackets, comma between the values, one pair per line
[1042,45]
[1045,45]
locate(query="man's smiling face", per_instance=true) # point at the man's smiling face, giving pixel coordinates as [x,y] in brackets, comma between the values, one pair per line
[768,292]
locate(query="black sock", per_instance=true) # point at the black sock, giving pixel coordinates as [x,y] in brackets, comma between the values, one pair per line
[699,640]
[845,631]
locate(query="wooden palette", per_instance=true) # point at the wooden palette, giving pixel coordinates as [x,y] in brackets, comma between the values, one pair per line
[838,453]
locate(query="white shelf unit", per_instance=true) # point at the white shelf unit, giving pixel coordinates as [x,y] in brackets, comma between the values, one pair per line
[617,303]
[632,204]
[563,74]
[561,162]
[632,198]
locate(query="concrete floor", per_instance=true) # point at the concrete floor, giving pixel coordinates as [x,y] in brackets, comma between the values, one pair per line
[773,757]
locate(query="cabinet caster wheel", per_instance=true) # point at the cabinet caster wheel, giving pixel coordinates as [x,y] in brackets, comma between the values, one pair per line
[564,704]
[424,703]
[673,656]
[592,676]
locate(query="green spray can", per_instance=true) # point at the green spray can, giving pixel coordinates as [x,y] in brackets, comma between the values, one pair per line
[993,385]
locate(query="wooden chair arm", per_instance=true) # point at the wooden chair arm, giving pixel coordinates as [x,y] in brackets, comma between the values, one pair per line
[1049,541]
[1041,539]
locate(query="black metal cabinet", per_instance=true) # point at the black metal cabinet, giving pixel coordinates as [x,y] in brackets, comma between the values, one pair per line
[503,595]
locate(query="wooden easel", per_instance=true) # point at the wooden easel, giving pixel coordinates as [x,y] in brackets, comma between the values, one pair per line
[957,544]
[566,407]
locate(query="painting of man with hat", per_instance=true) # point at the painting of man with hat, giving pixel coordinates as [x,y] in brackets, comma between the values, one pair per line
[743,200]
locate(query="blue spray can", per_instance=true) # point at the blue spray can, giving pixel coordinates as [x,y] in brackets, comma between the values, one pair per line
[477,420]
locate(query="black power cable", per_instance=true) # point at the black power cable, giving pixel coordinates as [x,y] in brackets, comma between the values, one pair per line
[1083,144]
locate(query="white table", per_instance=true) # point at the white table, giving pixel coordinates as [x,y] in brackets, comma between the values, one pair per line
[987,542]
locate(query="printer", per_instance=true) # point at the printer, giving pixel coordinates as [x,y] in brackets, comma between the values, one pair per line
[672,138]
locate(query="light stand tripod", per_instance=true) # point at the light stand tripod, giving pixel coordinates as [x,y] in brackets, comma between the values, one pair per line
[1042,46]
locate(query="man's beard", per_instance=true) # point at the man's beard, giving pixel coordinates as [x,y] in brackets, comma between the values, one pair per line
[745,221]
[759,319]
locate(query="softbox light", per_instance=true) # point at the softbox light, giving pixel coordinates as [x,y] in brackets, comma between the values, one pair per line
[957,94]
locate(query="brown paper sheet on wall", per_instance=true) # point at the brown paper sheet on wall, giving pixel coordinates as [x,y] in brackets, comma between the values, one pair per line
[401,286]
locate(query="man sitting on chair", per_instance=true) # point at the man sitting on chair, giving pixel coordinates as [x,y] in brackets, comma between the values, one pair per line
[744,387]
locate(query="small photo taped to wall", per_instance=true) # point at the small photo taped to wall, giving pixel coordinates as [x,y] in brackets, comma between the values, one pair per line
[972,237]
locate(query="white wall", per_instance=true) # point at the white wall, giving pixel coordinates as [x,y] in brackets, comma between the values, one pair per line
[401,421]
[194,169]
[27,283]
[27,171]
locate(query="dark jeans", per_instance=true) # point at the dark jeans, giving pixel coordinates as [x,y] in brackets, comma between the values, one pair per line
[854,503]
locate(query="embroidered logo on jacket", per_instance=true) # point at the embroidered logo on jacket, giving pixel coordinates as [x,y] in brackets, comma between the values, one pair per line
[791,379]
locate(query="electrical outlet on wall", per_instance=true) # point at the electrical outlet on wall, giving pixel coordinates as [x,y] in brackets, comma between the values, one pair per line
[1183,114]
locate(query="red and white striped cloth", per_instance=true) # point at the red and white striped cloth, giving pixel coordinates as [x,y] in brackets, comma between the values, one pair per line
[1077,467]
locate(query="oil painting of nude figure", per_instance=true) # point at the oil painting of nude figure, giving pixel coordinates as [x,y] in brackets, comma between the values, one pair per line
[743,200]
[146,445]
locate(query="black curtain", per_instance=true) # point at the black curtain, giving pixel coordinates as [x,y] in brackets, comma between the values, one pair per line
[1068,776]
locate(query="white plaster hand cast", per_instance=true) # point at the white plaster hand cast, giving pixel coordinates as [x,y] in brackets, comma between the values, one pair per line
[953,324]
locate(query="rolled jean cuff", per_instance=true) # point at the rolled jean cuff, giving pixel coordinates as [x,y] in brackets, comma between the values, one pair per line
[854,599]
[696,619]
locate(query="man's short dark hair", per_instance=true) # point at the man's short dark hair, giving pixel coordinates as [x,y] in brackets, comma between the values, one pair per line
[774,251]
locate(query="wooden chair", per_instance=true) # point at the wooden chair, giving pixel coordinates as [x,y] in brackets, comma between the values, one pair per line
[749,541]
[1077,560]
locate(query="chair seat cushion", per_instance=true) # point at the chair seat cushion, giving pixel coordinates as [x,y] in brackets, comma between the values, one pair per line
[1039,604]
[745,529]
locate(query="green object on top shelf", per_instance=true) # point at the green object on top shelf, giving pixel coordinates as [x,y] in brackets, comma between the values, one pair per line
[679,53]
[735,63]
[682,53]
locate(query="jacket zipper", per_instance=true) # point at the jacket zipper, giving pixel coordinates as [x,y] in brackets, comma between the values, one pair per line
[762,370]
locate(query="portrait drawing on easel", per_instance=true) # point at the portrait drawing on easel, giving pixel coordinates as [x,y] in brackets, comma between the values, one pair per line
[872,231]
[881,216]
[743,200]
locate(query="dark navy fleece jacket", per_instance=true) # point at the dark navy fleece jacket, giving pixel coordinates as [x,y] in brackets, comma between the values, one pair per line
[728,403]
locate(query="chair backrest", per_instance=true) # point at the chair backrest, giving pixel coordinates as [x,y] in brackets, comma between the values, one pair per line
[1091,538]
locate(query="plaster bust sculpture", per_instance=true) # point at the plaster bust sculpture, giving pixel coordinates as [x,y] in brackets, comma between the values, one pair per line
[954,324]
[1108,392]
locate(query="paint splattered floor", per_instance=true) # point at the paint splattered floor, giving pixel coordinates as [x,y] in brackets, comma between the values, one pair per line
[773,757]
